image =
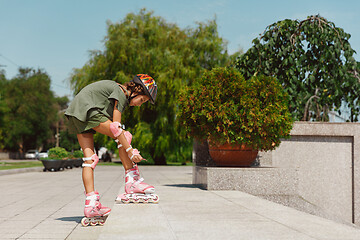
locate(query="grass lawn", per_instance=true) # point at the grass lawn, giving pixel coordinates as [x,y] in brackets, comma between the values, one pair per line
[26,164]
[22,164]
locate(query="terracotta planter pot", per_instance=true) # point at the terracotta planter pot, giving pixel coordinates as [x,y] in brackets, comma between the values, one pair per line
[232,156]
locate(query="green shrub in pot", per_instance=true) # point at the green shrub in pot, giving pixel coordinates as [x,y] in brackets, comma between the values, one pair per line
[224,107]
[58,153]
[78,155]
[56,159]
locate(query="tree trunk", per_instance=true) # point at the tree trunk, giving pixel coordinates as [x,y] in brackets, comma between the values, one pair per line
[160,160]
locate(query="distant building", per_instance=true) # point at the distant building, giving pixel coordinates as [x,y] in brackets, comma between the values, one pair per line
[334,116]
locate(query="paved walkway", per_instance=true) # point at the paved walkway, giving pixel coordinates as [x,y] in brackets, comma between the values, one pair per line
[49,205]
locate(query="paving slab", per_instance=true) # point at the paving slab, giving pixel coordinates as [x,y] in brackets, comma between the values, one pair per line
[49,205]
[187,212]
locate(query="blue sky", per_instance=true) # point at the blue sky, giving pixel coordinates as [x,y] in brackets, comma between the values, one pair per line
[56,35]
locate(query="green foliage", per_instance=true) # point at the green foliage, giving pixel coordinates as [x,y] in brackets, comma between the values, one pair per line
[58,153]
[78,154]
[3,107]
[75,154]
[68,141]
[30,110]
[142,139]
[174,57]
[62,102]
[314,62]
[101,140]
[224,107]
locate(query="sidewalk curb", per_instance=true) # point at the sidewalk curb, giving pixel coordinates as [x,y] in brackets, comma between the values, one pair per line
[21,170]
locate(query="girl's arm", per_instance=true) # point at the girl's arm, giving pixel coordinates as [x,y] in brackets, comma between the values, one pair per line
[122,139]
[116,113]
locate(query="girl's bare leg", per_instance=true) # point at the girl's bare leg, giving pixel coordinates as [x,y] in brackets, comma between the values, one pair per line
[104,128]
[86,141]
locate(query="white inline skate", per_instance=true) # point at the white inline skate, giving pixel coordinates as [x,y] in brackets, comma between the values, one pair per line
[136,190]
[95,213]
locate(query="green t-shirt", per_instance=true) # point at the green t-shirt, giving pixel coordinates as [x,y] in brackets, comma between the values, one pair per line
[100,96]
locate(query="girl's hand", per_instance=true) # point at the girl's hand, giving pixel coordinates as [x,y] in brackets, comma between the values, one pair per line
[138,158]
[135,156]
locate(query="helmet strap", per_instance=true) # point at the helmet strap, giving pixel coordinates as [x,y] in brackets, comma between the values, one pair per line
[131,97]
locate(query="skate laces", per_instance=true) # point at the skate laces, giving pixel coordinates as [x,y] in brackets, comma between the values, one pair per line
[136,176]
[139,181]
[91,201]
[133,173]
[98,205]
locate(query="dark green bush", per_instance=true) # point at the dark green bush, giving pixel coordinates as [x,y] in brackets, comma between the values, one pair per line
[224,107]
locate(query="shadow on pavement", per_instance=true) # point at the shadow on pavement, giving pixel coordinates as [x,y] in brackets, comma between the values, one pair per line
[182,185]
[71,219]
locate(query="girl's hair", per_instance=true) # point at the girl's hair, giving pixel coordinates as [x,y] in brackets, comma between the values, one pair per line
[134,88]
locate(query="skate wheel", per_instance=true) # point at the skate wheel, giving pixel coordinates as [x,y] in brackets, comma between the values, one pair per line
[136,200]
[93,223]
[126,200]
[145,200]
[85,222]
[101,222]
[155,199]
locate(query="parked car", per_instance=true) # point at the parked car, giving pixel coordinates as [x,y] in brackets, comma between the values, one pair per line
[32,154]
[104,154]
[43,154]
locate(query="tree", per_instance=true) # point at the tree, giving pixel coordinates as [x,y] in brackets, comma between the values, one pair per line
[174,57]
[3,107]
[31,110]
[68,141]
[314,62]
[62,102]
[63,138]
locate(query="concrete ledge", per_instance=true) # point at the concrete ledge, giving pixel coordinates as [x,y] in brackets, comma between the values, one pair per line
[278,185]
[257,181]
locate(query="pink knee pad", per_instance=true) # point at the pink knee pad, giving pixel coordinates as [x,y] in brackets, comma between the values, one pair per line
[116,129]
[95,158]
